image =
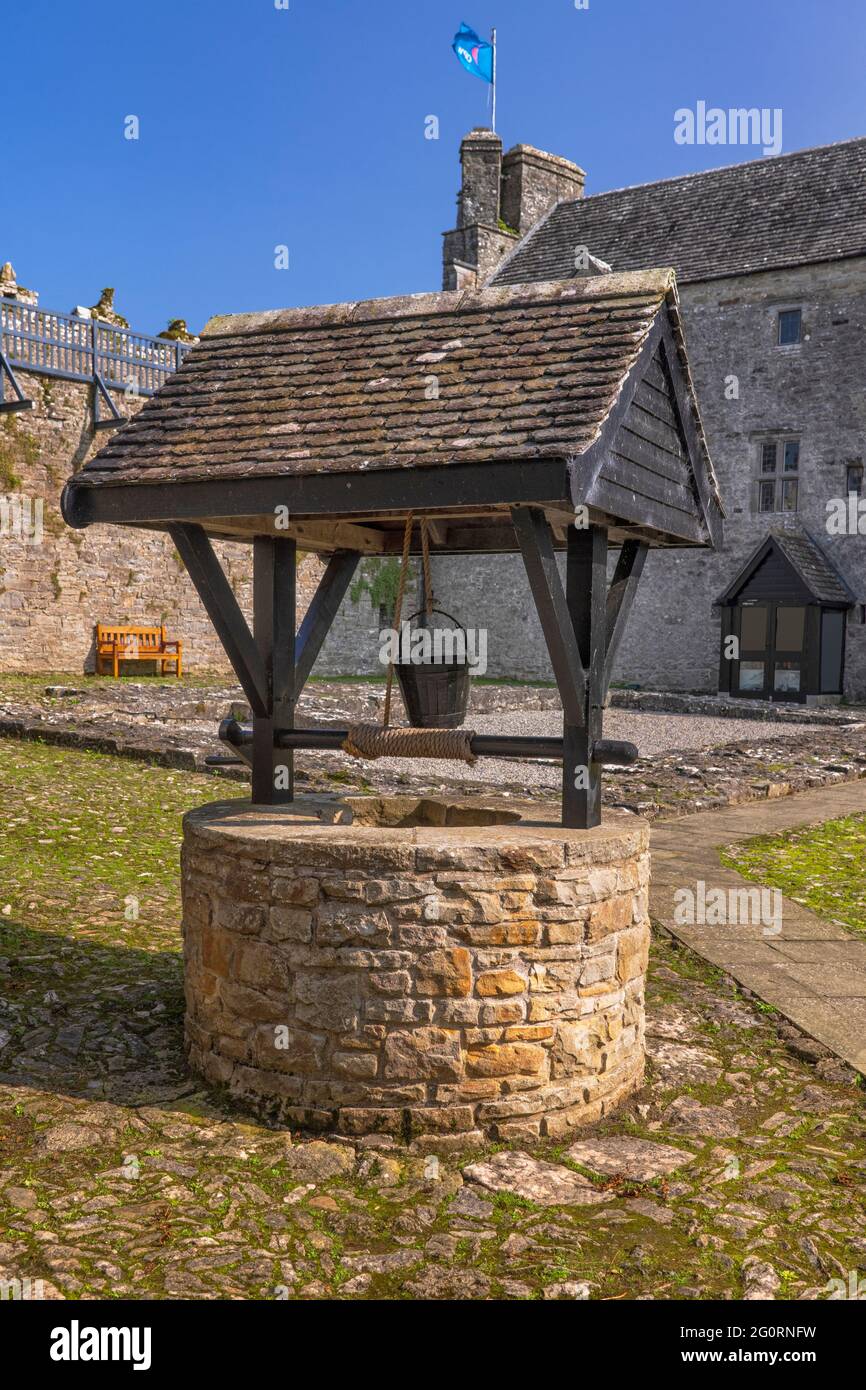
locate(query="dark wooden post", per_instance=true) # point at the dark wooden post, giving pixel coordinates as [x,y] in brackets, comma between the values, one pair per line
[274,570]
[586,596]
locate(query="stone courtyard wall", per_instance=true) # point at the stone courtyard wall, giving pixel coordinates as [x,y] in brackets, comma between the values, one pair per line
[53,593]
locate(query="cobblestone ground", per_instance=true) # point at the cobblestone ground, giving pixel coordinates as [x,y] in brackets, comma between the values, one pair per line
[738,1172]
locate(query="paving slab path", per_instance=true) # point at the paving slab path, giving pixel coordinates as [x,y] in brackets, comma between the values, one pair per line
[812,971]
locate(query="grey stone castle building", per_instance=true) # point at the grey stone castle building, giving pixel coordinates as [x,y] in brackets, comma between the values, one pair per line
[771,263]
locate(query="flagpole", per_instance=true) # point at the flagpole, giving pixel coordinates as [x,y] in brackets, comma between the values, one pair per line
[493,42]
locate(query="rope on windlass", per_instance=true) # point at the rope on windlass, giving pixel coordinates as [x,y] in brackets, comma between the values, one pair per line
[373,741]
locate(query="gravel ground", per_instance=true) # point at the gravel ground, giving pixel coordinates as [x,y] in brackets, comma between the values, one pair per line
[688,761]
[652,733]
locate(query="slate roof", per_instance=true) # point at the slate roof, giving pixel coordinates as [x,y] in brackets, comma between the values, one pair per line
[794,209]
[813,567]
[808,561]
[523,373]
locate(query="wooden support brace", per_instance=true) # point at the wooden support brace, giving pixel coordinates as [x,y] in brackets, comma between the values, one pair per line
[224,612]
[322,612]
[620,598]
[539,558]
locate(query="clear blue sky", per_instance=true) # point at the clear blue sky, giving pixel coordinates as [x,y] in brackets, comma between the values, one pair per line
[306,128]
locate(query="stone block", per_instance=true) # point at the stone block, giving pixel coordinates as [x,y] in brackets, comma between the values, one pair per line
[609,915]
[328,1000]
[502,1059]
[290,924]
[384,891]
[293,890]
[498,983]
[359,1065]
[395,982]
[241,1001]
[218,950]
[245,918]
[632,953]
[289,1049]
[446,972]
[260,965]
[502,1011]
[433,1054]
[339,924]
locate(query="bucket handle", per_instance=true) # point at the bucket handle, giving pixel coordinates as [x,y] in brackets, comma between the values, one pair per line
[449,616]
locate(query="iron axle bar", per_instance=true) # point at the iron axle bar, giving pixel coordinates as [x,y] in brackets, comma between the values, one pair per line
[613,752]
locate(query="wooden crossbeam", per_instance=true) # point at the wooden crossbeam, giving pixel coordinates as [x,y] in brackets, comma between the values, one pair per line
[620,598]
[224,612]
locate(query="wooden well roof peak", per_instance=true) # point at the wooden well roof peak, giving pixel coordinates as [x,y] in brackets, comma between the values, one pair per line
[655,283]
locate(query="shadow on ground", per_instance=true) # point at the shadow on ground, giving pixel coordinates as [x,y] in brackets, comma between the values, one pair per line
[89,1020]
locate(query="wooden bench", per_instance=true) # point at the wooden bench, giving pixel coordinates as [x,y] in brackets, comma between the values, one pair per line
[116,644]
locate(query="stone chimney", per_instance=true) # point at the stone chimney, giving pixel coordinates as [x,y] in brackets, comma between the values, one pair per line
[481,163]
[477,244]
[533,182]
[500,199]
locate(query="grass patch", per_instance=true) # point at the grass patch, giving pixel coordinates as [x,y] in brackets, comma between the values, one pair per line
[32,685]
[819,866]
[89,832]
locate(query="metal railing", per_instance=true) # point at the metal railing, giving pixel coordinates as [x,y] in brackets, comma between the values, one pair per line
[78,349]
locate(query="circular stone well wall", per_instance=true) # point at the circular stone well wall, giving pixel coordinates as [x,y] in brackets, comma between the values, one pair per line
[413,971]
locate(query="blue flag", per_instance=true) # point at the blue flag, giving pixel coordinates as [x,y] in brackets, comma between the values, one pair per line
[475,55]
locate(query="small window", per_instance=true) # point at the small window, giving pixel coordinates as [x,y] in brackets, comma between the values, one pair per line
[779,466]
[751,675]
[753,627]
[854,478]
[790,324]
[790,628]
[786,677]
[767,497]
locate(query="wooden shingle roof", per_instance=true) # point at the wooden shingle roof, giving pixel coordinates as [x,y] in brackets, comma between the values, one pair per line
[794,209]
[561,394]
[429,379]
